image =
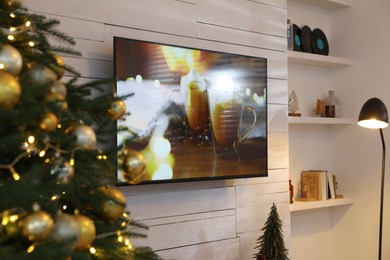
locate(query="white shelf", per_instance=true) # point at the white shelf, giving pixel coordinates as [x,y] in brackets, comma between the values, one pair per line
[327,4]
[316,59]
[310,205]
[320,120]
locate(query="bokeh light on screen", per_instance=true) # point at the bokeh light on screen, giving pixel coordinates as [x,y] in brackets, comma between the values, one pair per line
[225,83]
[163,172]
[156,83]
[138,79]
[182,60]
[161,147]
[248,92]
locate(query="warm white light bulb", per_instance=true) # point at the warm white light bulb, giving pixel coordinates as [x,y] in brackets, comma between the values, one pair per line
[92,250]
[31,139]
[373,124]
[30,249]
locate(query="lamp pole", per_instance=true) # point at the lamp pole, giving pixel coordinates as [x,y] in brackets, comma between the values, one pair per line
[382,193]
[374,115]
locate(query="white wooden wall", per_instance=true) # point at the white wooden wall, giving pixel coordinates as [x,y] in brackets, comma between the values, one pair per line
[202,220]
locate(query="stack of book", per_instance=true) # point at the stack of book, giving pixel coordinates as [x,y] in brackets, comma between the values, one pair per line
[317,185]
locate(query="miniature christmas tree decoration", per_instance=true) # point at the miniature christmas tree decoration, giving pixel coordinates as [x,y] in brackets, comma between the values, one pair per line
[271,243]
[293,104]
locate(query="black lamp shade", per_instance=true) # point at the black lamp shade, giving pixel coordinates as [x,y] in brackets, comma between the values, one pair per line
[373,114]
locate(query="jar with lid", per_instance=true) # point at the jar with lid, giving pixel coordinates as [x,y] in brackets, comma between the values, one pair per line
[330,104]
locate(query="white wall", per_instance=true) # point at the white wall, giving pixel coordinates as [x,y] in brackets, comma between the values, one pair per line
[205,220]
[360,33]
[364,28]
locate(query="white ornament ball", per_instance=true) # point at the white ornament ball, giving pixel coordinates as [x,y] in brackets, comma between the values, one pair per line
[67,230]
[11,59]
[39,74]
[86,137]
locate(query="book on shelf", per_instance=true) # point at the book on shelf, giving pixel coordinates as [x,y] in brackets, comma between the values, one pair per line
[317,185]
[332,185]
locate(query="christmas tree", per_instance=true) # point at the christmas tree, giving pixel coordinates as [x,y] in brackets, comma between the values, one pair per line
[57,188]
[271,242]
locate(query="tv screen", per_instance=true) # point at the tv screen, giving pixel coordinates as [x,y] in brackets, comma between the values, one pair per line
[193,114]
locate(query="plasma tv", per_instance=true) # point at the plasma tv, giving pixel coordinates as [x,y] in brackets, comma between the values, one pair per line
[193,114]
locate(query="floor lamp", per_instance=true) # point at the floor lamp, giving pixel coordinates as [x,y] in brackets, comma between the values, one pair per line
[374,115]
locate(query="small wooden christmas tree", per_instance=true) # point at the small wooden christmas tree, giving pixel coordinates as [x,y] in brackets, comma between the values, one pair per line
[271,245]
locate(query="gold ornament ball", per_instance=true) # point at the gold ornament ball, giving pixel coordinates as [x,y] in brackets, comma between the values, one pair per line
[40,74]
[10,91]
[11,59]
[48,122]
[59,69]
[87,232]
[85,136]
[59,100]
[62,105]
[54,97]
[67,230]
[37,226]
[117,109]
[58,88]
[114,205]
[133,164]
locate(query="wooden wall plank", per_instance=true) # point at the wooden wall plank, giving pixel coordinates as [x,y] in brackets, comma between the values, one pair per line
[91,68]
[278,147]
[79,28]
[261,199]
[277,118]
[277,91]
[71,8]
[148,206]
[171,187]
[189,233]
[177,18]
[188,1]
[243,15]
[261,189]
[278,3]
[240,37]
[248,243]
[253,218]
[94,50]
[224,249]
[276,175]
[189,217]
